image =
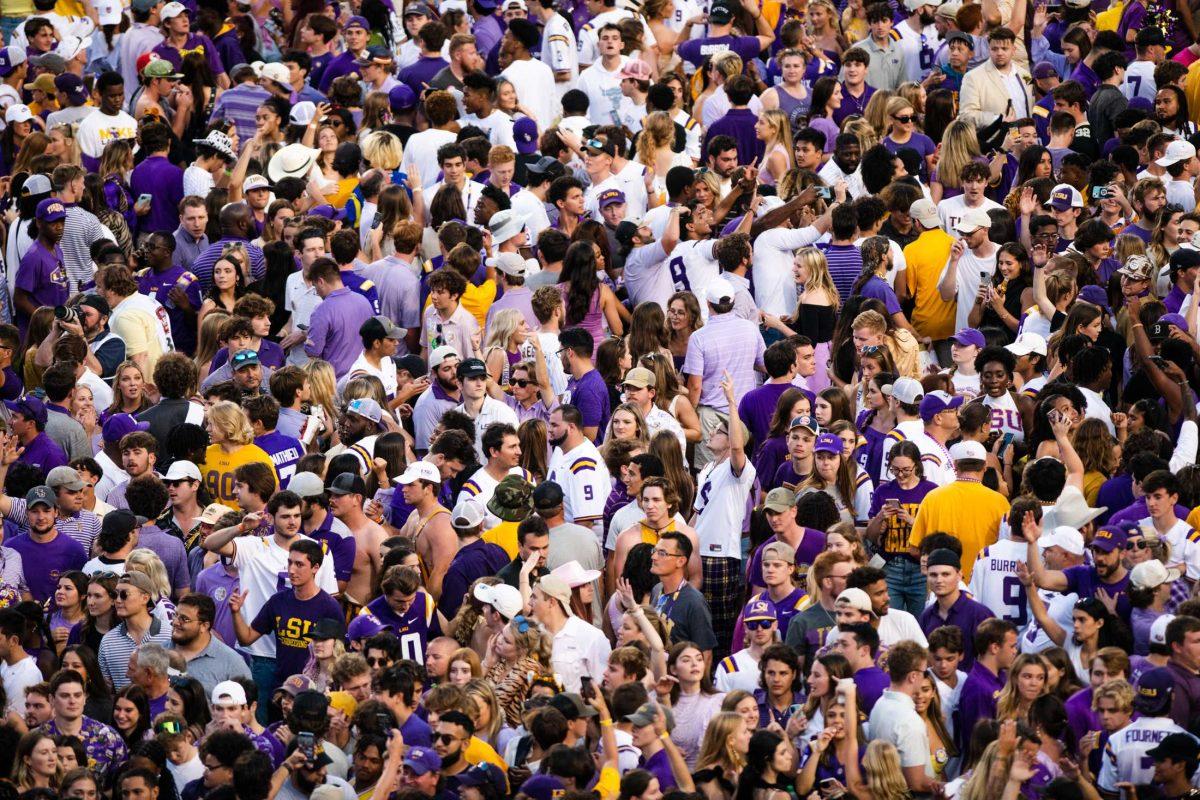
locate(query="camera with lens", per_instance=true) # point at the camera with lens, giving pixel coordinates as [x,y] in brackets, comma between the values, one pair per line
[66,314]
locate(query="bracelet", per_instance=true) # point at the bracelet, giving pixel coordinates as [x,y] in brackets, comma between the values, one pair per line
[666,737]
[606,723]
[1137,325]
[418,189]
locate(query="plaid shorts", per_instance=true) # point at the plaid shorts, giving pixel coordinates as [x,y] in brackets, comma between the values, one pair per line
[723,590]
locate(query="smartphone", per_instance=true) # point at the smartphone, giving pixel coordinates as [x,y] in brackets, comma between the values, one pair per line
[891,502]
[795,710]
[1099,193]
[145,197]
[386,721]
[307,743]
[827,783]
[824,192]
[1006,443]
[586,689]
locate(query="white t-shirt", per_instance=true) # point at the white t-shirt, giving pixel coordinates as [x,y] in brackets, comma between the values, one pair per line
[1184,543]
[97,130]
[262,571]
[971,272]
[534,82]
[603,90]
[589,34]
[533,210]
[774,251]
[17,677]
[422,150]
[951,210]
[721,508]
[491,411]
[301,300]
[894,719]
[1006,417]
[560,51]
[497,125]
[647,275]
[188,771]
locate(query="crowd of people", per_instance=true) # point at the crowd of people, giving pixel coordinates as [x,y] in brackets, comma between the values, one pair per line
[599,400]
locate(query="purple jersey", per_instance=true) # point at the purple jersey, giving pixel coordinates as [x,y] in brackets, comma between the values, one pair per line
[896,530]
[159,285]
[415,627]
[46,562]
[284,451]
[290,619]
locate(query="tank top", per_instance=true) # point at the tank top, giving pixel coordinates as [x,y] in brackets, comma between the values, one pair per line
[593,320]
[792,105]
[765,177]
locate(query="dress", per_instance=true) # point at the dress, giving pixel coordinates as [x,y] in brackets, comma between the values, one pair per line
[593,321]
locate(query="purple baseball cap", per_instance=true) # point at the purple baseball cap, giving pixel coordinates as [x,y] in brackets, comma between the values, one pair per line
[526,135]
[1154,690]
[543,787]
[402,98]
[118,425]
[29,407]
[970,336]
[610,197]
[1175,319]
[828,443]
[1095,295]
[356,22]
[1109,538]
[364,626]
[934,403]
[1044,69]
[422,760]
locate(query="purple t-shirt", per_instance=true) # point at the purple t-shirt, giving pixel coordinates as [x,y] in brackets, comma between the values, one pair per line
[44,453]
[416,731]
[159,285]
[896,531]
[977,701]
[787,476]
[218,584]
[475,560]
[284,451]
[342,548]
[163,181]
[919,142]
[195,42]
[1133,513]
[333,330]
[42,275]
[290,620]
[1080,716]
[420,73]
[590,395]
[852,105]
[46,562]
[694,51]
[811,546]
[965,614]
[659,765]
[758,406]
[878,289]
[872,682]
[1084,581]
[269,355]
[171,551]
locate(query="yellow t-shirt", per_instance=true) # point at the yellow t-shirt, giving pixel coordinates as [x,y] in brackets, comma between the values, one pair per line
[609,784]
[218,468]
[505,535]
[479,751]
[966,509]
[926,258]
[346,187]
[1092,481]
[1193,519]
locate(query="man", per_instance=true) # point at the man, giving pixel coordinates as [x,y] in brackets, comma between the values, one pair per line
[38,710]
[59,382]
[888,62]
[19,670]
[724,347]
[146,497]
[380,342]
[346,494]
[502,449]
[138,458]
[1128,750]
[951,605]
[926,257]
[454,730]
[894,624]
[641,391]
[953,210]
[534,80]
[294,616]
[659,502]
[105,351]
[355,32]
[678,600]
[1106,573]
[919,39]
[741,670]
[404,609]
[998,87]
[135,599]
[109,123]
[317,522]
[147,670]
[169,282]
[856,91]
[484,410]
[451,158]
[260,560]
[1183,638]
[1161,491]
[578,648]
[180,40]
[135,317]
[41,277]
[429,522]
[104,746]
[209,660]
[586,391]
[72,518]
[333,327]
[1150,51]
[576,464]
[894,717]
[161,97]
[45,552]
[1108,100]
[858,643]
[314,774]
[995,652]
[601,80]
[533,542]
[965,506]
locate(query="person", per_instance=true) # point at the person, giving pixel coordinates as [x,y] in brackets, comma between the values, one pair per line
[995,652]
[894,716]
[103,745]
[209,660]
[577,648]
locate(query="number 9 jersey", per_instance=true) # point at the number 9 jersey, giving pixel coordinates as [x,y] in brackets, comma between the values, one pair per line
[584,479]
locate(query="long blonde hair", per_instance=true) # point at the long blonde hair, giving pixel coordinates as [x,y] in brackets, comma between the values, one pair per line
[884,777]
[478,687]
[67,130]
[231,420]
[658,131]
[322,386]
[960,146]
[781,133]
[977,784]
[876,111]
[813,260]
[1009,703]
[643,432]
[501,327]
[717,750]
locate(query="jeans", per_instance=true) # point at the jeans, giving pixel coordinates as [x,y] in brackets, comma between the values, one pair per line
[906,585]
[262,669]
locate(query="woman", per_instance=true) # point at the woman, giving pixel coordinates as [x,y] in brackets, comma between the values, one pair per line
[904,131]
[116,164]
[227,287]
[893,509]
[327,144]
[93,200]
[83,411]
[32,149]
[535,458]
[627,422]
[489,721]
[790,95]
[394,208]
[322,653]
[377,112]
[816,310]
[514,656]
[507,333]
[928,704]
[1150,596]
[831,406]
[36,761]
[347,160]
[722,756]
[146,561]
[613,362]
[654,151]
[683,319]
[269,121]
[692,696]
[837,476]
[647,331]
[842,537]
[1093,627]
[774,130]
[63,145]
[209,340]
[826,100]
[82,659]
[131,715]
[14,136]
[831,751]
[130,397]
[463,667]
[69,607]
[742,703]
[279,213]
[1009,295]
[882,774]
[638,784]
[587,302]
[824,29]
[1026,682]
[770,767]
[1165,238]
[1099,453]
[670,395]
[877,261]
[823,677]
[960,146]
[665,445]
[232,445]
[186,697]
[79,784]
[1171,111]
[101,616]
[199,78]
[875,422]
[1036,162]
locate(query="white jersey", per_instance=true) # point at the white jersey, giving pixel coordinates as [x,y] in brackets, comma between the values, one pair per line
[994,581]
[536,90]
[693,265]
[1125,758]
[739,671]
[1006,417]
[721,508]
[481,486]
[497,125]
[140,302]
[1139,81]
[262,571]
[560,51]
[584,479]
[919,49]
[1060,607]
[934,457]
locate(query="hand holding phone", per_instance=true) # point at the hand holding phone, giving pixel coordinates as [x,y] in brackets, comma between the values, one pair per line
[307,743]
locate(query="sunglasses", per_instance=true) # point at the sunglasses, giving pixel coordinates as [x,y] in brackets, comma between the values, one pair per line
[522,383]
[759,624]
[445,738]
[179,482]
[903,120]
[124,595]
[871,349]
[1140,544]
[378,662]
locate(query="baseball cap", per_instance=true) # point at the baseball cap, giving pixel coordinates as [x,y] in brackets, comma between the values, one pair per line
[1027,343]
[171,10]
[610,197]
[805,421]
[160,68]
[213,512]
[1137,268]
[41,494]
[972,220]
[347,483]
[228,693]
[925,212]
[543,787]
[244,358]
[139,580]
[640,378]
[525,134]
[543,164]
[375,54]
[905,390]
[554,586]
[935,402]
[547,495]
[1152,574]
[254,182]
[51,209]
[440,354]
[120,522]
[780,500]
[1176,746]
[597,146]
[828,443]
[303,112]
[970,336]
[637,69]
[306,484]
[43,82]
[40,184]
[720,14]
[967,450]
[29,407]
[1043,70]
[467,514]
[645,716]
[779,551]
[472,368]
[856,599]
[412,364]
[422,760]
[1109,538]
[11,57]
[572,706]
[719,290]
[759,608]
[1177,150]
[368,408]
[944,557]
[1154,691]
[948,10]
[1064,196]
[380,327]
[65,478]
[356,22]
[502,597]
[961,38]
[417,9]
[511,264]
[420,471]
[327,628]
[296,684]
[1158,628]
[1068,539]
[1184,258]
[364,626]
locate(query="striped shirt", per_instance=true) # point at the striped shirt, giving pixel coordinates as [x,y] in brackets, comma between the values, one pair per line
[845,265]
[117,645]
[727,343]
[80,231]
[238,105]
[202,266]
[83,526]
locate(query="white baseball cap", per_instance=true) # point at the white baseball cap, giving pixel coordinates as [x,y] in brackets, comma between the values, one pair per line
[253,182]
[1027,343]
[170,10]
[1178,150]
[467,512]
[502,597]
[905,390]
[421,471]
[440,354]
[1068,539]
[1152,574]
[228,693]
[968,450]
[182,469]
[718,290]
[973,219]
[18,112]
[1158,629]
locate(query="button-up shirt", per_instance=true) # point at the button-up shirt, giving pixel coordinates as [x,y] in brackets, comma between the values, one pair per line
[104,747]
[726,344]
[888,64]
[187,249]
[980,691]
[215,663]
[964,614]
